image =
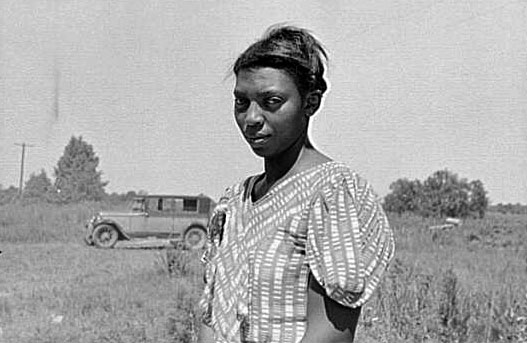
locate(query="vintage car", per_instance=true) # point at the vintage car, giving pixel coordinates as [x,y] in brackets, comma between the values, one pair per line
[179,218]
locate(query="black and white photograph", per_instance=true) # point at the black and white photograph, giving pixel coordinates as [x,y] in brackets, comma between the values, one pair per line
[297,171]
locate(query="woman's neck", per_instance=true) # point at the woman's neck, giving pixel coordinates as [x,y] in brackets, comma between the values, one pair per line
[278,167]
[297,158]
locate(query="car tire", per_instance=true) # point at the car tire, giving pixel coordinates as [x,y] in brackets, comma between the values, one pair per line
[195,238]
[105,236]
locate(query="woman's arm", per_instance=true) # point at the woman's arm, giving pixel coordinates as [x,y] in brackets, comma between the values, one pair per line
[327,320]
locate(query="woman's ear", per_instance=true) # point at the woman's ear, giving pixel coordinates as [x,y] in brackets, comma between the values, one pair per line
[312,102]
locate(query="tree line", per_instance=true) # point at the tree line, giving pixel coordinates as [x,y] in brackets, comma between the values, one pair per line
[509,208]
[77,178]
[442,194]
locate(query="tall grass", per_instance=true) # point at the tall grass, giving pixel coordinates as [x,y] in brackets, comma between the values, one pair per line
[416,306]
[44,222]
[449,286]
[467,284]
[69,293]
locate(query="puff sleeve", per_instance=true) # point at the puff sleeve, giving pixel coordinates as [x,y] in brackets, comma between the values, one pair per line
[349,241]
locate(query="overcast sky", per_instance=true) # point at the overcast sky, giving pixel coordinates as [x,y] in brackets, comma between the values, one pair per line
[415,86]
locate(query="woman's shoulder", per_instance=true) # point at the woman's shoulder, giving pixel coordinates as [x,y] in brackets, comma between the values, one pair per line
[334,171]
[238,188]
[329,170]
[336,175]
[233,190]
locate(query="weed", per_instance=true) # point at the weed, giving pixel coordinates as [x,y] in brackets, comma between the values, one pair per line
[468,285]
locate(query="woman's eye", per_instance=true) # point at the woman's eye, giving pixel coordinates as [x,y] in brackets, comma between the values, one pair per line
[273,101]
[240,103]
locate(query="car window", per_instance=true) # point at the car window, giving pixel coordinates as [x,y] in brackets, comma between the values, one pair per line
[169,205]
[166,205]
[190,205]
[153,204]
[138,205]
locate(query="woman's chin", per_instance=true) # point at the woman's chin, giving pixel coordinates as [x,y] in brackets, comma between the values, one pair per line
[261,152]
[265,151]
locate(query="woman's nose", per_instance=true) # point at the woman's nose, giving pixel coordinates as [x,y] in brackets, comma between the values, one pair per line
[254,115]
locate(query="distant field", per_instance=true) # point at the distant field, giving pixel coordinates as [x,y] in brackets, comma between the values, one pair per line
[464,285]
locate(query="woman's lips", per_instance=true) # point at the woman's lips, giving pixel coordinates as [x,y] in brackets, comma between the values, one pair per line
[257,140]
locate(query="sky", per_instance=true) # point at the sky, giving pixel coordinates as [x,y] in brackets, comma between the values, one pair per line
[415,87]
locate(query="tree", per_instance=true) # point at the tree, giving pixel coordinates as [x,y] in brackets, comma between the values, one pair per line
[76,173]
[39,187]
[405,196]
[478,202]
[444,194]
[8,195]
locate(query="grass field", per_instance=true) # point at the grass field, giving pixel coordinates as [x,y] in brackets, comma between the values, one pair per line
[464,285]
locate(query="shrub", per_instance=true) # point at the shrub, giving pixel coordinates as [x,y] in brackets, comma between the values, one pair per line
[442,194]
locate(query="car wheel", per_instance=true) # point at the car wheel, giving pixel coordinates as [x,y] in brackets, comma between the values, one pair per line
[195,238]
[105,236]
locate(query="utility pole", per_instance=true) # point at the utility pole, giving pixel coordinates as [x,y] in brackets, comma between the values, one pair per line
[21,184]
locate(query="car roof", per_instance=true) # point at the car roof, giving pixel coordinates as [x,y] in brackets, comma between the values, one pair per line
[201,196]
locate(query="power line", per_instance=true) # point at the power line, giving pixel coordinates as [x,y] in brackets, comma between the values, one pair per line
[24,146]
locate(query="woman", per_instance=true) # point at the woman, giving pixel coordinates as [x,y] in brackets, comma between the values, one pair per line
[296,251]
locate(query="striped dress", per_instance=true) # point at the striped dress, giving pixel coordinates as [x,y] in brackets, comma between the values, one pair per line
[325,221]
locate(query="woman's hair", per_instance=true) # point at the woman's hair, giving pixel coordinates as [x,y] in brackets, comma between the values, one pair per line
[291,49]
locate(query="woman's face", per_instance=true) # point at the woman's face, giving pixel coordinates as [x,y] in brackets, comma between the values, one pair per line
[269,110]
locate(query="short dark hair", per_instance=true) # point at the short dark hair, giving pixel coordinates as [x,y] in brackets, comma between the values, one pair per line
[292,49]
